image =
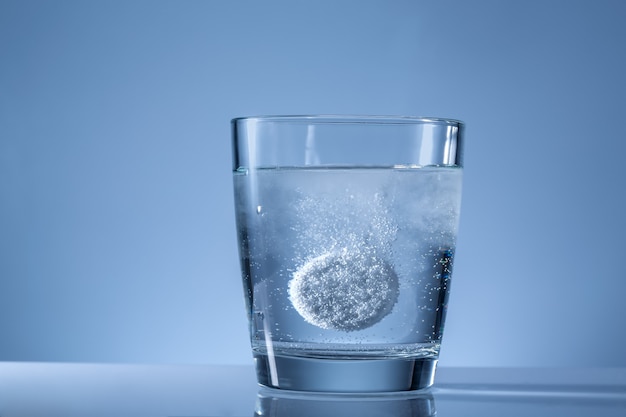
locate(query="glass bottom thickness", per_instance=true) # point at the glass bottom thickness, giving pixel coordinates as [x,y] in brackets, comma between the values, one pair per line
[344,375]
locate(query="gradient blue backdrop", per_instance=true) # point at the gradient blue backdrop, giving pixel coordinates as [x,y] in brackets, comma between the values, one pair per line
[117,238]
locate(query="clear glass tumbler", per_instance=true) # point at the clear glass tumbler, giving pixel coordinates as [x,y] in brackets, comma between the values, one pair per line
[347,229]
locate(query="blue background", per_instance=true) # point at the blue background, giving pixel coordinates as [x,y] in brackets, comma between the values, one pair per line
[117,239]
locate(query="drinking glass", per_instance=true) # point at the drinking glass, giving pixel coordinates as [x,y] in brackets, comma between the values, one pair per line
[347,230]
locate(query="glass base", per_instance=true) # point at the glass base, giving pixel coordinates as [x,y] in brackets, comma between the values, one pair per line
[344,375]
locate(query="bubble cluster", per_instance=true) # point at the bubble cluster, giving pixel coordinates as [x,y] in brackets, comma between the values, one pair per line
[346,290]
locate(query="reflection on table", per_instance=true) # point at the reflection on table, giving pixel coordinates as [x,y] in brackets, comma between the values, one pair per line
[277,403]
[86,390]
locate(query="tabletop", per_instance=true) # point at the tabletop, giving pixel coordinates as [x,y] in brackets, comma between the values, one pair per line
[83,389]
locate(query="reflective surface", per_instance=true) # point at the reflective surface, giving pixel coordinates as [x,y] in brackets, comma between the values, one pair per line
[57,389]
[272,403]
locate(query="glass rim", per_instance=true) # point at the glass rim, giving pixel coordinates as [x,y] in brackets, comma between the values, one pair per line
[351,119]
